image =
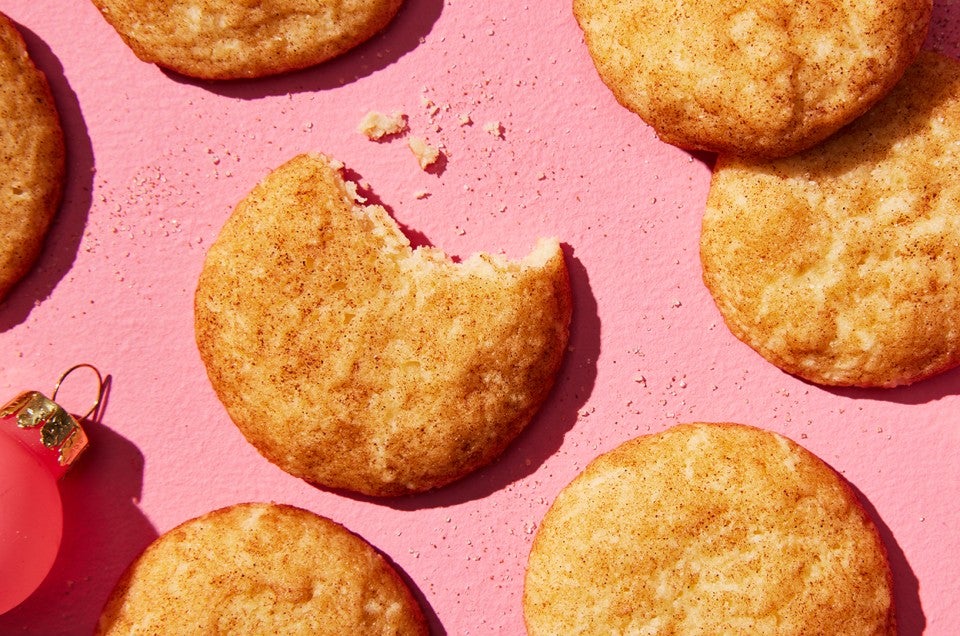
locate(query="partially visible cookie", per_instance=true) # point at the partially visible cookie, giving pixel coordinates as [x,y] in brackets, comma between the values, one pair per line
[761,78]
[32,158]
[355,362]
[708,529]
[842,264]
[261,569]
[226,39]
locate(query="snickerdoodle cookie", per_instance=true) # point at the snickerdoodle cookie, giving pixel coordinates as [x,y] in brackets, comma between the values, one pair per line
[355,362]
[32,158]
[842,264]
[759,78]
[708,529]
[261,569]
[227,39]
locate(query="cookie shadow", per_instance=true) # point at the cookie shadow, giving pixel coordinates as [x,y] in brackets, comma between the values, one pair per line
[708,159]
[63,237]
[370,197]
[103,531]
[436,628]
[406,31]
[944,33]
[544,434]
[931,389]
[906,587]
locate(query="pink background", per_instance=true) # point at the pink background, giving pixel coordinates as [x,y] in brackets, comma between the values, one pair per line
[158,161]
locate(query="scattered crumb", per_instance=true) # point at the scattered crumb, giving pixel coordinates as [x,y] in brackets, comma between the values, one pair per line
[431,108]
[354,192]
[426,154]
[376,125]
[495,128]
[421,194]
[465,120]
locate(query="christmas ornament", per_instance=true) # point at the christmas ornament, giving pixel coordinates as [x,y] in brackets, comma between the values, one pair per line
[39,441]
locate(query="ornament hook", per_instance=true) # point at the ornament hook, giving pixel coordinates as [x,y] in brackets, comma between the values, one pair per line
[100,386]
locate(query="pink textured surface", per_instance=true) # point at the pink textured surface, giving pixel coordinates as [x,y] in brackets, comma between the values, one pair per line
[158,161]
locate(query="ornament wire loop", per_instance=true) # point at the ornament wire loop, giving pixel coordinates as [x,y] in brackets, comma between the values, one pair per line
[100,386]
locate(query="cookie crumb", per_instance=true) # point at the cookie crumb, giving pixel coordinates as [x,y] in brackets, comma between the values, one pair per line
[426,154]
[376,126]
[495,128]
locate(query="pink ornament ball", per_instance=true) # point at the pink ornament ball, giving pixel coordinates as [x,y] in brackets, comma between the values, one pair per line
[31,521]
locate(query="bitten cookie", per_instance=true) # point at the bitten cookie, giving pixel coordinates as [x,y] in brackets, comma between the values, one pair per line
[752,78]
[32,158]
[708,529]
[226,39]
[261,569]
[842,264]
[355,362]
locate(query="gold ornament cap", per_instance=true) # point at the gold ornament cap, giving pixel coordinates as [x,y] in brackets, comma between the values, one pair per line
[60,431]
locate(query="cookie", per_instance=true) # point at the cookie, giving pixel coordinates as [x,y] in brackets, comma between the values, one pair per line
[225,39]
[708,529]
[261,569]
[751,78]
[841,264]
[357,363]
[32,158]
